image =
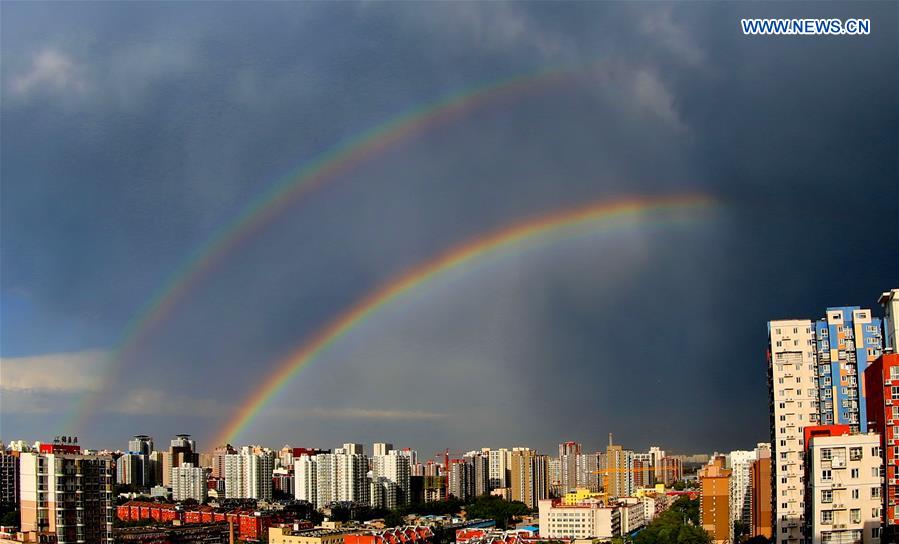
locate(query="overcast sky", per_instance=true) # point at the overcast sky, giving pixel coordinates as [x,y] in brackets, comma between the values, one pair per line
[133,132]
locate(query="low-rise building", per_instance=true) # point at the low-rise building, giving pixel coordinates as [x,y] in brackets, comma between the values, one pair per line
[288,535]
[590,519]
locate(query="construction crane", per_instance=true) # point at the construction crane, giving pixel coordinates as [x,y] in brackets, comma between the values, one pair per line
[446,466]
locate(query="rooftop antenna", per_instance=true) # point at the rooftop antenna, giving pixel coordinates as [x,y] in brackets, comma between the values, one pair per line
[610,440]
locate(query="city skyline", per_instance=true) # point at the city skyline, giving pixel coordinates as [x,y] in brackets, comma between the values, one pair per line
[156,276]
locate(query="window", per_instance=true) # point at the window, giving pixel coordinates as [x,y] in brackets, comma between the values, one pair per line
[827,516]
[875,492]
[875,472]
[875,532]
[826,454]
[855,493]
[855,515]
[853,473]
[826,495]
[894,392]
[826,475]
[894,372]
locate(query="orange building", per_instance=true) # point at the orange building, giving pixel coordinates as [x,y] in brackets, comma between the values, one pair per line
[714,500]
[760,480]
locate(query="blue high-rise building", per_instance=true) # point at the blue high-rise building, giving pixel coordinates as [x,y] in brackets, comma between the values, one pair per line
[848,339]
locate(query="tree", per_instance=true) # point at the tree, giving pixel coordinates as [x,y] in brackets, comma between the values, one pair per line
[677,525]
[503,512]
[394,519]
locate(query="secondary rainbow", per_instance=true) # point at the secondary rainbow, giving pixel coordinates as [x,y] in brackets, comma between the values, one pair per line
[603,214]
[273,202]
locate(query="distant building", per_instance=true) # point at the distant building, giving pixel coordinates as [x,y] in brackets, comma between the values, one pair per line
[9,478]
[499,468]
[248,474]
[714,500]
[760,493]
[740,487]
[189,482]
[568,456]
[67,495]
[141,444]
[529,483]
[619,471]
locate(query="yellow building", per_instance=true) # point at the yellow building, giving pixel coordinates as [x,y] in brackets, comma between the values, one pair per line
[286,535]
[579,495]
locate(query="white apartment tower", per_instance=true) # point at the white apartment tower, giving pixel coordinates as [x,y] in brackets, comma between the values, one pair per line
[248,474]
[740,487]
[793,405]
[305,481]
[189,482]
[499,468]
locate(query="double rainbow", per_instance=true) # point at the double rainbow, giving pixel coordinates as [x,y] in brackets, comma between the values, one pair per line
[271,204]
[599,215]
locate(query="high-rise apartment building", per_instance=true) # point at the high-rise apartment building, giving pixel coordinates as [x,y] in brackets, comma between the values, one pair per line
[499,468]
[843,501]
[341,476]
[568,456]
[183,449]
[587,466]
[305,479]
[847,340]
[740,486]
[132,469]
[67,495]
[643,470]
[141,444]
[394,466]
[814,369]
[248,474]
[218,460]
[793,400]
[714,501]
[381,448]
[9,478]
[656,454]
[671,469]
[189,482]
[529,483]
[461,479]
[760,491]
[619,471]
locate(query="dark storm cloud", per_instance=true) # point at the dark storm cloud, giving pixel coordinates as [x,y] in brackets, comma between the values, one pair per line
[132,132]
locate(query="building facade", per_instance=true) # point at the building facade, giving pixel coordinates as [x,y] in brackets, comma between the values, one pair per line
[843,502]
[189,482]
[714,500]
[67,495]
[583,521]
[760,491]
[882,392]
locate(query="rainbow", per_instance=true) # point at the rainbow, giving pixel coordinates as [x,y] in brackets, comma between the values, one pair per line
[273,202]
[600,214]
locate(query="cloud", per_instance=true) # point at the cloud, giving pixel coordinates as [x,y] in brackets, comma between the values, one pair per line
[50,70]
[660,27]
[157,402]
[369,413]
[63,372]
